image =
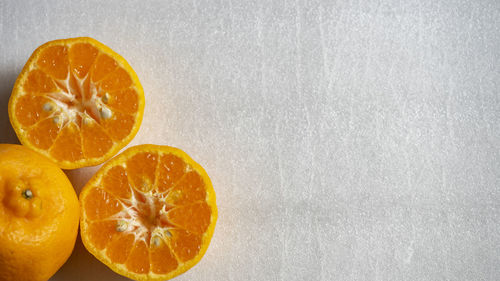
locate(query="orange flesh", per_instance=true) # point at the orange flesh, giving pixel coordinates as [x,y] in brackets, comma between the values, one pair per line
[148,213]
[76,102]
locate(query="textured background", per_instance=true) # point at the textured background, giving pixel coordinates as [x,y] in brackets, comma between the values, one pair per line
[346,140]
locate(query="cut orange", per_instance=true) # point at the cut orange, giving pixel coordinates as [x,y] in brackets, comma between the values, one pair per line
[149,213]
[77,102]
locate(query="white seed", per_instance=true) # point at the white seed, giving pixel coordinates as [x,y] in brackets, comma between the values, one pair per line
[168,233]
[86,119]
[47,106]
[105,98]
[156,240]
[56,120]
[106,113]
[121,226]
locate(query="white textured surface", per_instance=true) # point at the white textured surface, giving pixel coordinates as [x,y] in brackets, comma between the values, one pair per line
[346,140]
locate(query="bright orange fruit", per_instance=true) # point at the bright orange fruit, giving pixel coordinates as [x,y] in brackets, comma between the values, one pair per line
[77,102]
[39,214]
[149,213]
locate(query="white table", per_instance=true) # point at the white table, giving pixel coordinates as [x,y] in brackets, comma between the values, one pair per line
[346,140]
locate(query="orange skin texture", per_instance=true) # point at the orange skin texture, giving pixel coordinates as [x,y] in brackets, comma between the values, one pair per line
[37,235]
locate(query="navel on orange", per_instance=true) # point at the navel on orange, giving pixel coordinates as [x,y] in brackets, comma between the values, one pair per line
[77,102]
[39,215]
[149,213]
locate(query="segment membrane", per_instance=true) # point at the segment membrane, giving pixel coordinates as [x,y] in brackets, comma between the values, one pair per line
[37,82]
[186,245]
[189,189]
[171,169]
[44,133]
[194,218]
[120,246]
[162,259]
[138,260]
[116,80]
[68,144]
[81,58]
[102,66]
[96,141]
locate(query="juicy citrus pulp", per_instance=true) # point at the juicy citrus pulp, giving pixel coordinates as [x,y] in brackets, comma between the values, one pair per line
[149,213]
[39,215]
[77,102]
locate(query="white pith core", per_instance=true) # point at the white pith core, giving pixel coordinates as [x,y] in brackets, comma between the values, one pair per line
[77,97]
[147,219]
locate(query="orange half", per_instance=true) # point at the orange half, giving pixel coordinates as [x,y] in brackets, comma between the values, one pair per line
[149,213]
[77,102]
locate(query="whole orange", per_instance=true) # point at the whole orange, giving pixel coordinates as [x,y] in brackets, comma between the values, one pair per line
[39,213]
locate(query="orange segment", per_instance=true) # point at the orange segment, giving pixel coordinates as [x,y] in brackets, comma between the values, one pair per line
[119,126]
[43,134]
[185,244]
[119,247]
[30,109]
[138,260]
[190,189]
[37,82]
[162,259]
[67,146]
[95,140]
[103,66]
[116,182]
[141,169]
[76,81]
[101,232]
[194,218]
[81,58]
[100,204]
[159,197]
[125,100]
[53,60]
[116,80]
[171,170]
